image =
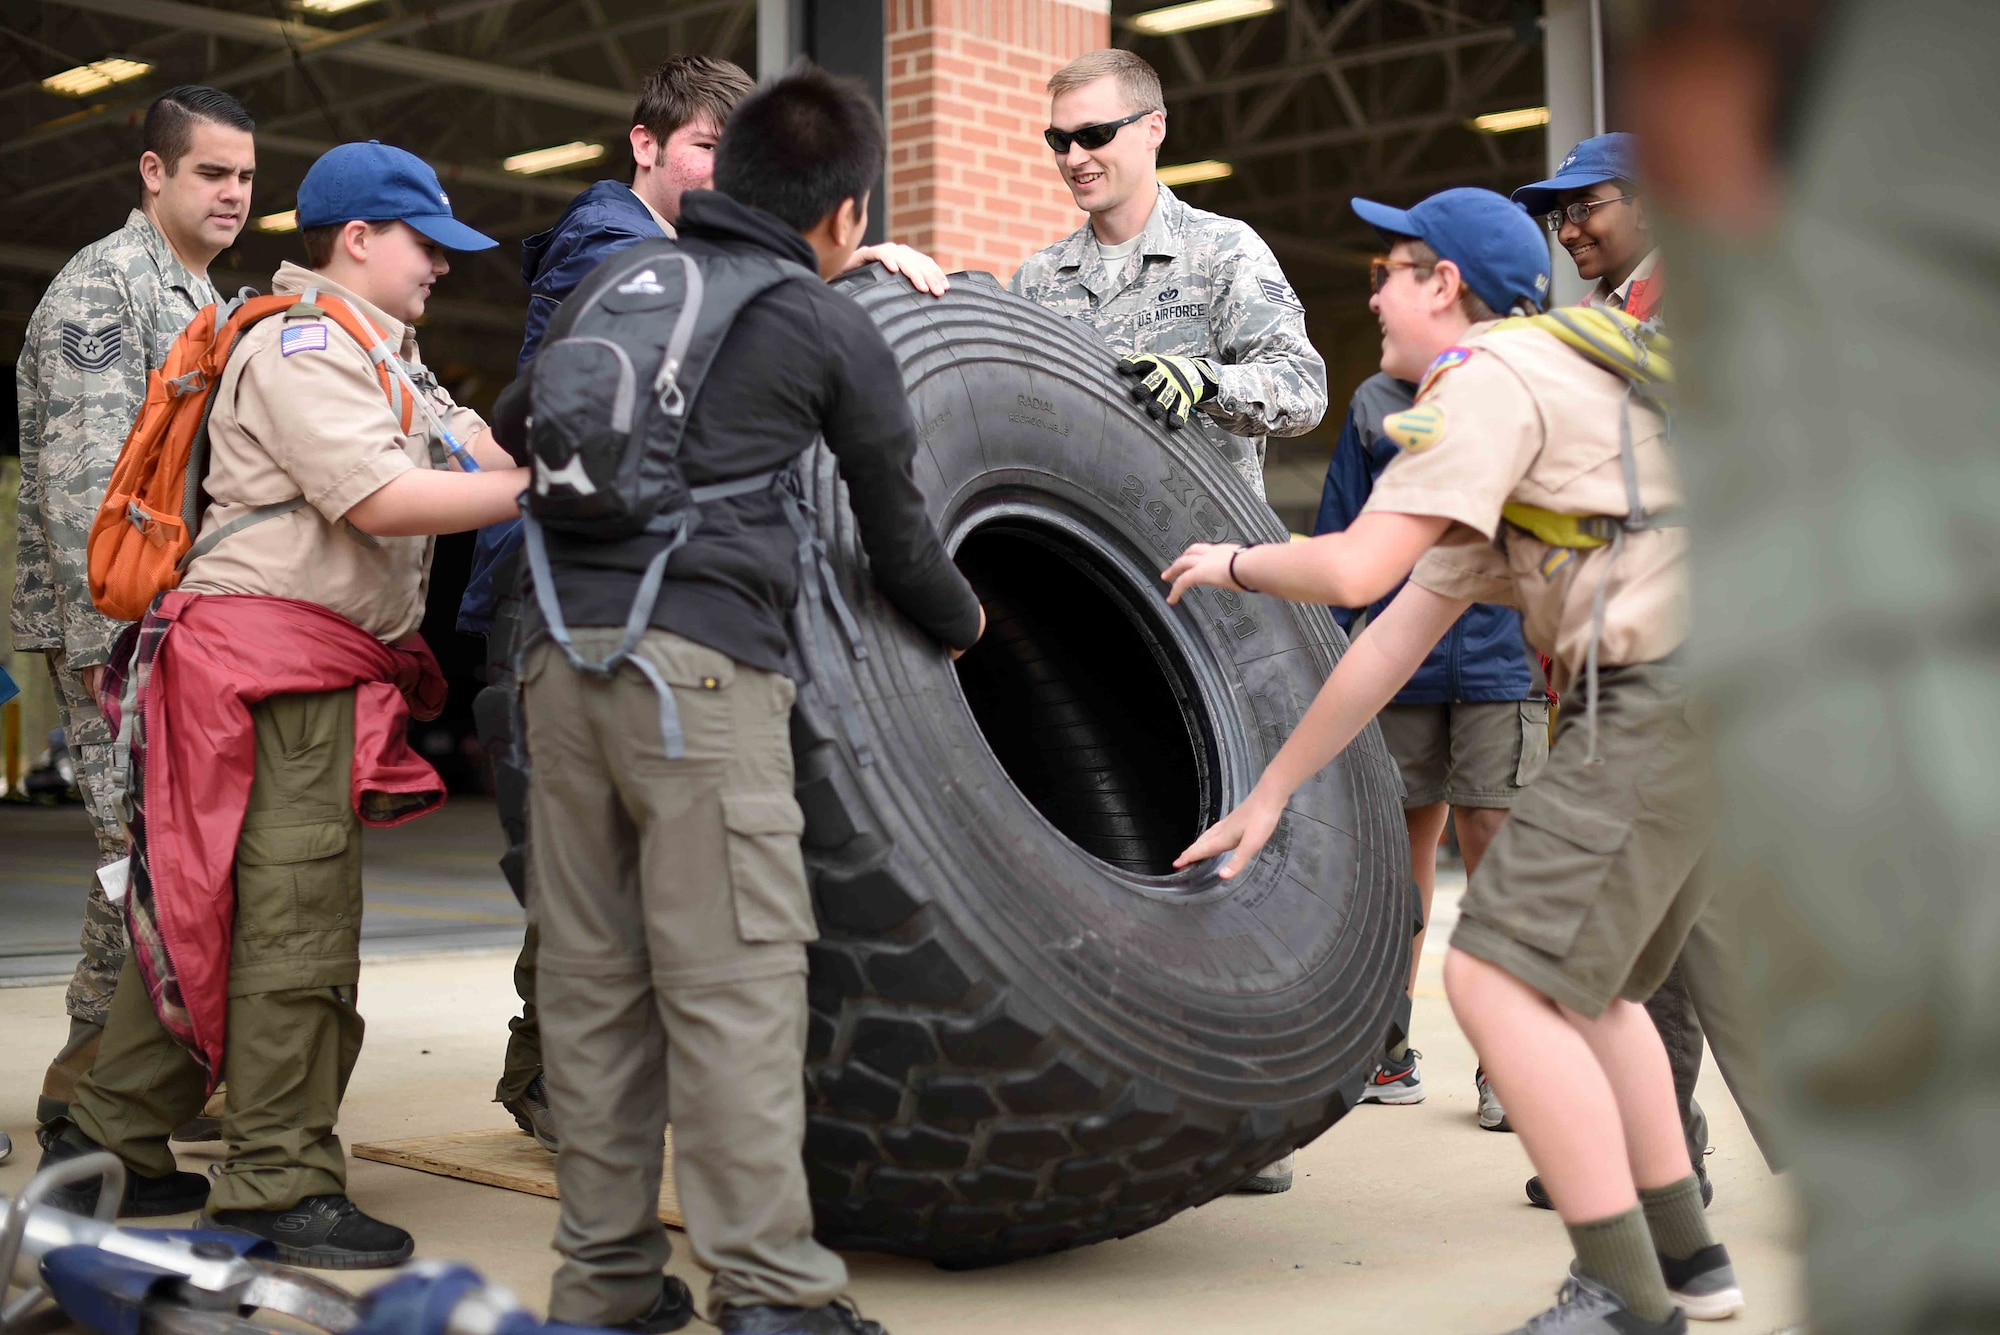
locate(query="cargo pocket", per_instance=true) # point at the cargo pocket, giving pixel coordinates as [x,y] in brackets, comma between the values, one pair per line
[767,874]
[288,879]
[1534,741]
[1556,862]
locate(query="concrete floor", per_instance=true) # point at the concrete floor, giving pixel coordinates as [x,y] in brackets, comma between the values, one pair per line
[430,885]
[1405,1219]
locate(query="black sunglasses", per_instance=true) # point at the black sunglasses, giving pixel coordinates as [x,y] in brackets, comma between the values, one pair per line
[1090,136]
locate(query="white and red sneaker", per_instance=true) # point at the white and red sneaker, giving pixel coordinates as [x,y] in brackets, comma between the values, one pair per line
[1396,1080]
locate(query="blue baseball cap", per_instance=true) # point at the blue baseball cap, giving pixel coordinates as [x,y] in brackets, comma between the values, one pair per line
[377,183]
[1498,248]
[1608,157]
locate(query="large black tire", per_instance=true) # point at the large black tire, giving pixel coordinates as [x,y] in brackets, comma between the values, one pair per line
[1028,1032]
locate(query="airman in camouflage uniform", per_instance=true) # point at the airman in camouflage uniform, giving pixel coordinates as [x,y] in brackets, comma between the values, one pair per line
[109,318]
[1204,286]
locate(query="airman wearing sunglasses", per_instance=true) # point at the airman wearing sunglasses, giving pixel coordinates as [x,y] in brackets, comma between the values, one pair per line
[1594,206]
[1194,303]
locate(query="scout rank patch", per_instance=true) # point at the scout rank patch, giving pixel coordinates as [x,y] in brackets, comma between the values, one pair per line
[302,338]
[1450,357]
[1416,429]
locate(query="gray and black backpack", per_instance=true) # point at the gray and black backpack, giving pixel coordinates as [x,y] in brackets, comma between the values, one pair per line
[610,394]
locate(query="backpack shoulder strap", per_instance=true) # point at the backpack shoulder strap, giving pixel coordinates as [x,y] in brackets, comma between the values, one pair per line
[388,367]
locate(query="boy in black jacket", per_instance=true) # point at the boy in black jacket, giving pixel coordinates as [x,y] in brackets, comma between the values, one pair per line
[671,895]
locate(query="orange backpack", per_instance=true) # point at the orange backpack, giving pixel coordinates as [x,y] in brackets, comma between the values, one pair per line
[144,535]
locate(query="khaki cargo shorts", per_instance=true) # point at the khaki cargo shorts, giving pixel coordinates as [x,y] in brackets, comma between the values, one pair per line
[1470,755]
[1590,888]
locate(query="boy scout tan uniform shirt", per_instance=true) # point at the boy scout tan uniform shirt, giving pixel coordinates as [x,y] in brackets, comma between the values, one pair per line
[313,420]
[1524,418]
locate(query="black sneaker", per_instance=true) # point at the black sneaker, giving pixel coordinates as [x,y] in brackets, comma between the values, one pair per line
[145,1197]
[1538,1196]
[1396,1081]
[1704,1286]
[670,1311]
[323,1233]
[533,1114]
[836,1318]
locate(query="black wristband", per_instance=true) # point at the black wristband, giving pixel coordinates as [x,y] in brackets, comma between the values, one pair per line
[1232,568]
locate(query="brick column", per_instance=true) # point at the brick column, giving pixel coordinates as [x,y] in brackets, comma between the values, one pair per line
[970,180]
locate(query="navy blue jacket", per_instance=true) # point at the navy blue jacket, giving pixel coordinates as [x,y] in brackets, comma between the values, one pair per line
[598,223]
[1482,657]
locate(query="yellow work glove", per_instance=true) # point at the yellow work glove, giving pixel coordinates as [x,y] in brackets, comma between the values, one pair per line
[1169,386]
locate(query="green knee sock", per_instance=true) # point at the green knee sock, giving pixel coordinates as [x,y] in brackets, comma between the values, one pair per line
[1676,1217]
[1398,1050]
[1618,1253]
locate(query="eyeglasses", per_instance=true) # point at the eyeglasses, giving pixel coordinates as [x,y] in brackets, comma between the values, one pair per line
[1579,212]
[1090,136]
[1382,266]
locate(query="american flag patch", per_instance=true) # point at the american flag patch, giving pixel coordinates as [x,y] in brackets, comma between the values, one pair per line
[302,338]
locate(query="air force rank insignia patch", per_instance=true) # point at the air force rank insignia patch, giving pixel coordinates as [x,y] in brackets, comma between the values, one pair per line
[302,338]
[1416,429]
[91,350]
[1450,357]
[1279,294]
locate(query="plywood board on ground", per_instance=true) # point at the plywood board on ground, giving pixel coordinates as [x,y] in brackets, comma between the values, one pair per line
[500,1157]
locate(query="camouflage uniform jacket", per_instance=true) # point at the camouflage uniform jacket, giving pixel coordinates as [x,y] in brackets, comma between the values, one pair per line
[1206,286]
[109,317]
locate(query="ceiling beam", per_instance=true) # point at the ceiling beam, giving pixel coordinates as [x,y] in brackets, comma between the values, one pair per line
[1358,58]
[387,57]
[557,188]
[132,108]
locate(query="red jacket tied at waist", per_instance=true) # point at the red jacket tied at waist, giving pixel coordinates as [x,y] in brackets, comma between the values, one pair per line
[187,676]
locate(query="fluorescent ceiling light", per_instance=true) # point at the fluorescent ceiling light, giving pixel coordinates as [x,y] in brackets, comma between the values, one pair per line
[1198,14]
[288,221]
[548,159]
[1188,173]
[96,76]
[332,6]
[1506,122]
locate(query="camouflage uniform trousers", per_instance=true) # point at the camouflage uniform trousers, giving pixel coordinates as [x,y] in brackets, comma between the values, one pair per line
[103,941]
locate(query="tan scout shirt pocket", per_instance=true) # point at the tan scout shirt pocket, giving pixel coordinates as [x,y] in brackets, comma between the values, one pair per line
[1564,853]
[767,873]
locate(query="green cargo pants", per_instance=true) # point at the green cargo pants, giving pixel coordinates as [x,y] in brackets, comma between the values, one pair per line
[672,902]
[523,1061]
[294,1032]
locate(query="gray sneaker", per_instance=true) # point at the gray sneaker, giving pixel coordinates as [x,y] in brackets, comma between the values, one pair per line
[1704,1285]
[1269,1180]
[1492,1117]
[1585,1307]
[533,1114]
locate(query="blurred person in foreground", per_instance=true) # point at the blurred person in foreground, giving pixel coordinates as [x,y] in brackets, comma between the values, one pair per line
[1833,206]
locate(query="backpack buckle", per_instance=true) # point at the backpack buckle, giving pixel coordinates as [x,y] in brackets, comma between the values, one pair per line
[672,402]
[139,518]
[194,382]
